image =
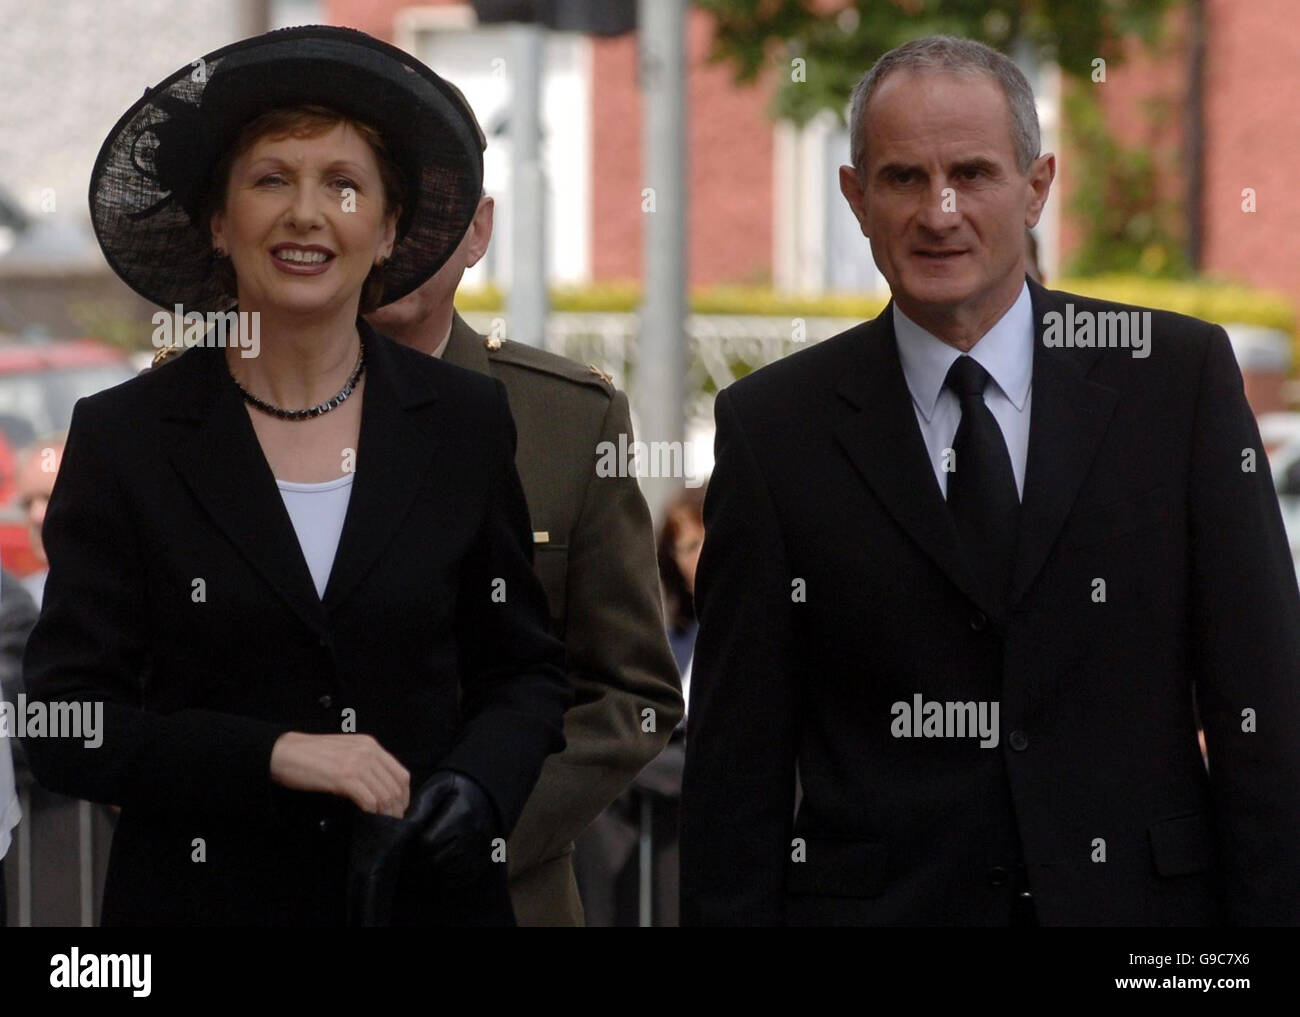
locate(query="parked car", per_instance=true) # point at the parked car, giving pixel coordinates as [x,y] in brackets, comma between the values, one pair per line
[39,383]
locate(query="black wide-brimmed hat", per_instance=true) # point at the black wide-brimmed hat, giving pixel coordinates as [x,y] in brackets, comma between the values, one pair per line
[156,165]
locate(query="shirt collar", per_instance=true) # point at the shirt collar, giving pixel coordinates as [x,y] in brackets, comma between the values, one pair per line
[442,346]
[1006,351]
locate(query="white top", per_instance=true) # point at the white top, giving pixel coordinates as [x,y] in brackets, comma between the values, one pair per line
[1006,351]
[10,812]
[317,512]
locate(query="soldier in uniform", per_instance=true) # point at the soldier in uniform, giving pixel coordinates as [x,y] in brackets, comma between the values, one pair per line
[593,549]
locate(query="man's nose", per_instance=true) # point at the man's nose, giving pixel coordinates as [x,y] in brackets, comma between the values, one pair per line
[940,207]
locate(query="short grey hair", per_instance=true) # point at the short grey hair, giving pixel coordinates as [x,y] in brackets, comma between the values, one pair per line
[957,56]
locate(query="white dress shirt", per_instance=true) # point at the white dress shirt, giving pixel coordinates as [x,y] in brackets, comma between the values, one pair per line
[1006,351]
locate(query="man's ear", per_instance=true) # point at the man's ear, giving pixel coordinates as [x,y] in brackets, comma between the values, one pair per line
[1042,171]
[854,194]
[480,231]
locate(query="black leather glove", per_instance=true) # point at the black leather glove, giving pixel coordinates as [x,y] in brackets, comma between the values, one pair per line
[378,851]
[456,823]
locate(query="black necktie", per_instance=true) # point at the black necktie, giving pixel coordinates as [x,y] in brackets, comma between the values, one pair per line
[982,487]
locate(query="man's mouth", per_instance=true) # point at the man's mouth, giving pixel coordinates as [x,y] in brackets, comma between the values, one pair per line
[939,255]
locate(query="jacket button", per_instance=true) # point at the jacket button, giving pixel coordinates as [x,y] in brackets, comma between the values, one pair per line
[998,876]
[326,701]
[324,642]
[323,826]
[1019,741]
[978,621]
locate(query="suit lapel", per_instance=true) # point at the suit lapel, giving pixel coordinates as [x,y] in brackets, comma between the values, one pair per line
[219,458]
[399,437]
[878,430]
[1067,421]
[221,461]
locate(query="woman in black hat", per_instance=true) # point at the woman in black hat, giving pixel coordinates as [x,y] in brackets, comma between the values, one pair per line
[297,581]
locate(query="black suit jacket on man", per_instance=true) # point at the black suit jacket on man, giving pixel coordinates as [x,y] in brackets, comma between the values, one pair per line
[832,586]
[179,596]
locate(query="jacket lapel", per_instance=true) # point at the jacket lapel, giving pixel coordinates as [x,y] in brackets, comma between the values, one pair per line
[219,458]
[399,436]
[878,430]
[222,463]
[1067,421]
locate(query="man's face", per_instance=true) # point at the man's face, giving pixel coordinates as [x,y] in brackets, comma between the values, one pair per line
[439,291]
[941,197]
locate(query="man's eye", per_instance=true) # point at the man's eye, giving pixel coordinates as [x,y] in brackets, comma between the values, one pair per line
[903,177]
[971,174]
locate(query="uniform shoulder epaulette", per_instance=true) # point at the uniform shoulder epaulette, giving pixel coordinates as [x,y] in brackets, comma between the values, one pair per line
[546,362]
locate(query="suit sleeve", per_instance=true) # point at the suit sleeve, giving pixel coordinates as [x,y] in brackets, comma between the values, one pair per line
[513,689]
[738,789]
[620,663]
[91,646]
[1246,625]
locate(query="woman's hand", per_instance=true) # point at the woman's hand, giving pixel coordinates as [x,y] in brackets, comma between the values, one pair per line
[354,766]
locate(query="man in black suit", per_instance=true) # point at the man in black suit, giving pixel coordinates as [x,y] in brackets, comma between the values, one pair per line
[972,568]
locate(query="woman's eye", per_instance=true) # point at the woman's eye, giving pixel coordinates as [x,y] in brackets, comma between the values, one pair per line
[345,182]
[269,179]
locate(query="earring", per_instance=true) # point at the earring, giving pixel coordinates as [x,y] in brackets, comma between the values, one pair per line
[220,252]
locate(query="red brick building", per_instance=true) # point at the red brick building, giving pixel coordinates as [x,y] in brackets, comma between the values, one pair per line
[763,204]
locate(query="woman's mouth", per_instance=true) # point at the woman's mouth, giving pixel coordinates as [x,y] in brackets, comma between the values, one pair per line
[302,260]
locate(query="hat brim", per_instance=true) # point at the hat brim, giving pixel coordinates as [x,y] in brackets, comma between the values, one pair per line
[155,166]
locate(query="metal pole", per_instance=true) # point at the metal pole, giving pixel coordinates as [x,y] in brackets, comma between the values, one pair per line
[645,858]
[86,858]
[527,302]
[25,858]
[660,382]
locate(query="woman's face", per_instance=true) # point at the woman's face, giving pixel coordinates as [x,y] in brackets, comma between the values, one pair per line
[304,222]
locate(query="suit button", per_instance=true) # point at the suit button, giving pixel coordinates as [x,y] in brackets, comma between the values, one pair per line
[978,621]
[1019,741]
[324,642]
[326,701]
[998,876]
[323,826]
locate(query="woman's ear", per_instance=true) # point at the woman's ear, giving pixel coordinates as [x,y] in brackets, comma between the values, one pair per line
[216,229]
[388,239]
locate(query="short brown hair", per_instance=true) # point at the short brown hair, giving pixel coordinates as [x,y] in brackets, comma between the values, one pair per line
[303,122]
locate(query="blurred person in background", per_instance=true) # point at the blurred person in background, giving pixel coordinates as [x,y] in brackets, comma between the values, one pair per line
[593,551]
[38,468]
[213,525]
[607,858]
[10,810]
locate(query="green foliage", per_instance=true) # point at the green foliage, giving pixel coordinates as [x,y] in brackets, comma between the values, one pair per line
[1131,224]
[1210,299]
[753,35]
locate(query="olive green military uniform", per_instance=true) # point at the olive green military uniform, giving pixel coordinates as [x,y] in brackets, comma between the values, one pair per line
[593,549]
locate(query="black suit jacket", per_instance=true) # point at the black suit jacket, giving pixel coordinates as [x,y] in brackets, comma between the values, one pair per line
[1137,474]
[179,597]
